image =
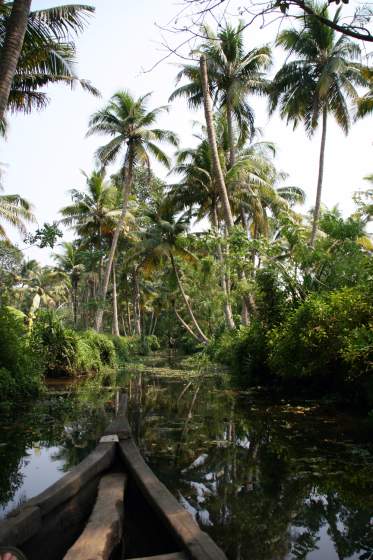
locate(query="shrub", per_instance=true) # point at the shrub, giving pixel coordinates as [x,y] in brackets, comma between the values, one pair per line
[245,351]
[329,337]
[21,363]
[68,352]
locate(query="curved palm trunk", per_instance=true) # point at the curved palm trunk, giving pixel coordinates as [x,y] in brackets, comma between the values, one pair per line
[11,50]
[223,281]
[116,331]
[202,337]
[316,211]
[218,173]
[127,184]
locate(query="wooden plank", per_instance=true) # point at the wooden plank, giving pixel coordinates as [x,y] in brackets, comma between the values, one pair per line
[16,530]
[63,525]
[172,556]
[105,526]
[97,461]
[197,544]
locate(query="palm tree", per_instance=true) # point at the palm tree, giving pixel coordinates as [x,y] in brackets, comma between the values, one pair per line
[198,193]
[319,82]
[234,73]
[365,103]
[14,210]
[134,139]
[162,241]
[11,48]
[254,185]
[48,54]
[93,213]
[70,263]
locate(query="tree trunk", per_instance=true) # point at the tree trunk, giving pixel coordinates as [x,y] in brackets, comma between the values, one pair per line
[115,304]
[232,144]
[127,184]
[186,326]
[316,211]
[223,281]
[201,335]
[136,303]
[218,173]
[11,50]
[75,303]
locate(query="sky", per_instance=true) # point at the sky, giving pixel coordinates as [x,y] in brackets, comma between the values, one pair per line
[46,151]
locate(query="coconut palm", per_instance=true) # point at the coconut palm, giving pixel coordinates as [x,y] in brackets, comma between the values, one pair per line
[254,185]
[48,53]
[234,74]
[162,241]
[70,263]
[16,211]
[134,139]
[14,34]
[93,213]
[365,103]
[319,82]
[198,193]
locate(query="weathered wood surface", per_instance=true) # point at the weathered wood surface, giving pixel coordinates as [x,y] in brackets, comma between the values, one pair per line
[105,526]
[16,530]
[197,544]
[62,526]
[172,556]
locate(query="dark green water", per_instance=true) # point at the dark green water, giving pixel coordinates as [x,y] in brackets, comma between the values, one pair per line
[267,480]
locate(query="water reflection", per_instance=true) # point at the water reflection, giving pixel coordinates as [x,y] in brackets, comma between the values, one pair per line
[267,481]
[40,441]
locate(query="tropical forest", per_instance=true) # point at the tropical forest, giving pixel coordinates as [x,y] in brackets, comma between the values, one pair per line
[186,215]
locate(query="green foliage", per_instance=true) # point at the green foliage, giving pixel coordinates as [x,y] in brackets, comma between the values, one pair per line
[67,352]
[329,336]
[20,361]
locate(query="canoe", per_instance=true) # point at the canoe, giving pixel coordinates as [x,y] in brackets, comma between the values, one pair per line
[110,506]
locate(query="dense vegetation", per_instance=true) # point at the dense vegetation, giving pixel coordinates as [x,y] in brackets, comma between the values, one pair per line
[220,257]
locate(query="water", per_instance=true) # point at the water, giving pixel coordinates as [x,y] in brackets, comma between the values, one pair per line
[268,480]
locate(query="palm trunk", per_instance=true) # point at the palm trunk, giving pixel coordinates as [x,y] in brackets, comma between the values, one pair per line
[316,211]
[186,326]
[136,303]
[218,173]
[223,281]
[115,304]
[201,335]
[75,303]
[127,184]
[232,144]
[11,50]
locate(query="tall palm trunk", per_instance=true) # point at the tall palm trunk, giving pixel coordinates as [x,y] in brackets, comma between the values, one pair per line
[136,303]
[218,173]
[115,304]
[232,144]
[223,281]
[245,319]
[11,50]
[127,184]
[75,301]
[201,334]
[316,212]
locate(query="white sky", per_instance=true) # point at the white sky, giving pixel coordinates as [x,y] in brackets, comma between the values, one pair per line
[45,151]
